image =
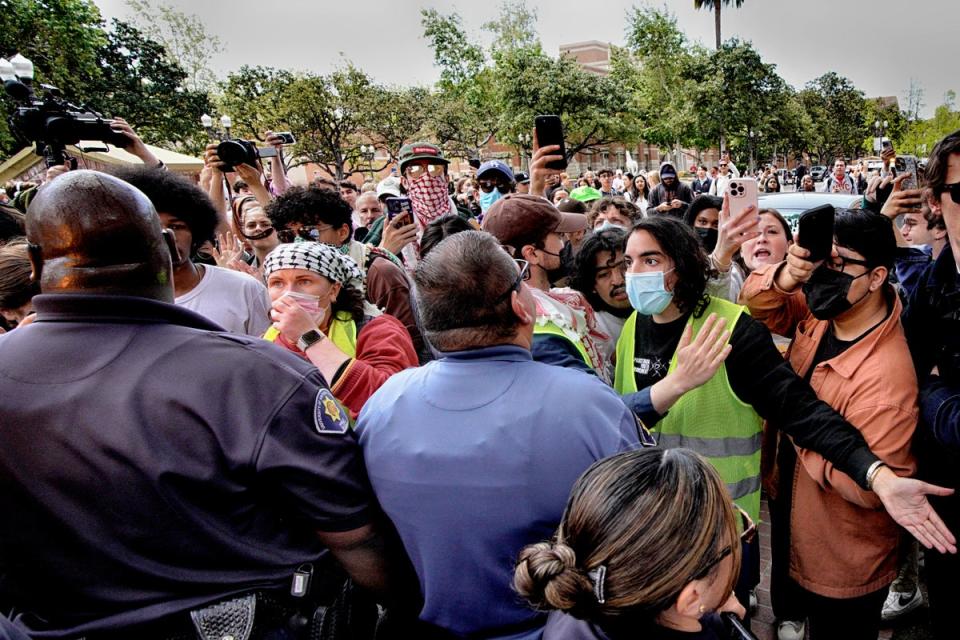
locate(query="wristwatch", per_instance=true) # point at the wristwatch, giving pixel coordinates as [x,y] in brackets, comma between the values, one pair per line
[309,339]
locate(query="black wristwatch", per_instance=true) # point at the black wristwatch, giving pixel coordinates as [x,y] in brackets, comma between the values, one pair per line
[309,338]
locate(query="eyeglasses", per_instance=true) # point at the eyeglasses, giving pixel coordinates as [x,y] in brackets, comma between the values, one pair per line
[840,263]
[415,171]
[306,232]
[524,274]
[748,531]
[954,190]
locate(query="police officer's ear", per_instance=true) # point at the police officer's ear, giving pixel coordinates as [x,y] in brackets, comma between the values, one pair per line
[35,254]
[171,242]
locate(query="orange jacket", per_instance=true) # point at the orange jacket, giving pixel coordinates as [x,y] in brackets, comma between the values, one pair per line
[842,543]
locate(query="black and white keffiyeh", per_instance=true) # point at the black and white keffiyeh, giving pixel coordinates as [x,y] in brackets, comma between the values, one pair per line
[317,257]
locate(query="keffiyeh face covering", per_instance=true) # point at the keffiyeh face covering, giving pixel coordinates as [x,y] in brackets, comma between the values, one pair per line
[319,258]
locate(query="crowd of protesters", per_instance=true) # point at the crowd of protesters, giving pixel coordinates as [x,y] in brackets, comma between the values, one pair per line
[499,405]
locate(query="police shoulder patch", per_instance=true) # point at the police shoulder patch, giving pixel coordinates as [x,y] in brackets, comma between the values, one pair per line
[328,416]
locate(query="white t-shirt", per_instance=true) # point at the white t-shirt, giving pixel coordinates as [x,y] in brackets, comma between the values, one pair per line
[234,300]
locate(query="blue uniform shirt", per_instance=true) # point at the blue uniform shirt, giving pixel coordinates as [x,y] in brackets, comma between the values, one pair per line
[473,456]
[150,464]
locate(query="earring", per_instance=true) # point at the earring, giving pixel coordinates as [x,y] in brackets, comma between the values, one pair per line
[702,610]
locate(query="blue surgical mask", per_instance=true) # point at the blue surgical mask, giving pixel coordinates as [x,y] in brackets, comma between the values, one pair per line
[488,198]
[646,292]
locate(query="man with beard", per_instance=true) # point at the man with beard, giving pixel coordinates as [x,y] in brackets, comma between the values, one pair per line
[423,179]
[671,196]
[599,275]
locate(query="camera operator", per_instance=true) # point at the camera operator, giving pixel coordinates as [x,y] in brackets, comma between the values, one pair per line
[211,179]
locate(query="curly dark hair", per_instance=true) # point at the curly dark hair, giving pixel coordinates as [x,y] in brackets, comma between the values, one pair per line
[584,276]
[680,243]
[310,206]
[176,195]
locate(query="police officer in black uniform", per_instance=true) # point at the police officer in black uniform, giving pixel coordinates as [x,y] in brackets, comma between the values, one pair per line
[152,465]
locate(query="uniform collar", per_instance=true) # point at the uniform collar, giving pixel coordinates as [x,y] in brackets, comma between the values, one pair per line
[502,352]
[100,308]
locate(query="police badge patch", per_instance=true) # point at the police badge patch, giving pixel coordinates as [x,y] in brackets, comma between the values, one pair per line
[328,416]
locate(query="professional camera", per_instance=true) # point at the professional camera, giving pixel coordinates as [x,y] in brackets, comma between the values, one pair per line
[234,152]
[50,121]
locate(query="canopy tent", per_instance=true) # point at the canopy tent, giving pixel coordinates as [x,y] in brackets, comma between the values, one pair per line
[25,165]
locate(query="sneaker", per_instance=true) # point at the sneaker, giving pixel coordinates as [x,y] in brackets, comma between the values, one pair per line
[899,604]
[791,630]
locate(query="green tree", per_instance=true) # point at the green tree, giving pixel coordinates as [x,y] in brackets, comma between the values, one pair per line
[463,118]
[657,89]
[715,6]
[395,116]
[837,109]
[514,28]
[253,97]
[919,137]
[61,37]
[591,106]
[183,36]
[326,114]
[138,81]
[734,92]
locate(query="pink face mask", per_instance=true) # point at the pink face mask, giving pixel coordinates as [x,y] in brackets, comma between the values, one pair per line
[309,303]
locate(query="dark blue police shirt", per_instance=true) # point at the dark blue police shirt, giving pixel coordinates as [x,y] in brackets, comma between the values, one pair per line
[150,463]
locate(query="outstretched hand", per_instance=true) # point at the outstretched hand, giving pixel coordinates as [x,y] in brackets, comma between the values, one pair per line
[905,499]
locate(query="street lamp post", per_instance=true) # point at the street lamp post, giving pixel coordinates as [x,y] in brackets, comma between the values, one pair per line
[524,140]
[368,151]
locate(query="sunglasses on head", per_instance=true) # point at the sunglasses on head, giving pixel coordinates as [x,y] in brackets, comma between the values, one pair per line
[305,232]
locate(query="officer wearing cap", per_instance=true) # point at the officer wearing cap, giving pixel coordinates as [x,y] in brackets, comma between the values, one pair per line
[156,464]
[531,228]
[496,180]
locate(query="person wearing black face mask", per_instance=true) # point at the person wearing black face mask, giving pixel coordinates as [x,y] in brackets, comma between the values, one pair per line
[703,215]
[849,344]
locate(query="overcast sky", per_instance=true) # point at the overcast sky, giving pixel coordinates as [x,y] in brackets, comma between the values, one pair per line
[879,44]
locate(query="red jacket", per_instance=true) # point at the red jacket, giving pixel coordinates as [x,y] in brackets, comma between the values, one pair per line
[383,349]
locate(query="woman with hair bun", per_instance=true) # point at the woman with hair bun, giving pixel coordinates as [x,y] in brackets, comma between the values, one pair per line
[648,548]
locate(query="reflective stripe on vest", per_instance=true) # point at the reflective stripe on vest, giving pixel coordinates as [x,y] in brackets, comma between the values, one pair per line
[553,330]
[341,332]
[710,419]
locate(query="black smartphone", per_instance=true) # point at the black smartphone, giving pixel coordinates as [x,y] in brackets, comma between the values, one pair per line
[550,131]
[736,630]
[886,144]
[287,137]
[815,232]
[397,207]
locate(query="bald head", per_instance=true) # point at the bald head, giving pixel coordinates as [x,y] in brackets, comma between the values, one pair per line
[97,234]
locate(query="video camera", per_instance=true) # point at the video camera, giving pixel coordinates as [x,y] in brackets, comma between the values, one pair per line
[50,121]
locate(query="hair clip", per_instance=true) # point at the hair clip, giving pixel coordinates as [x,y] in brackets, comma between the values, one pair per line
[598,576]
